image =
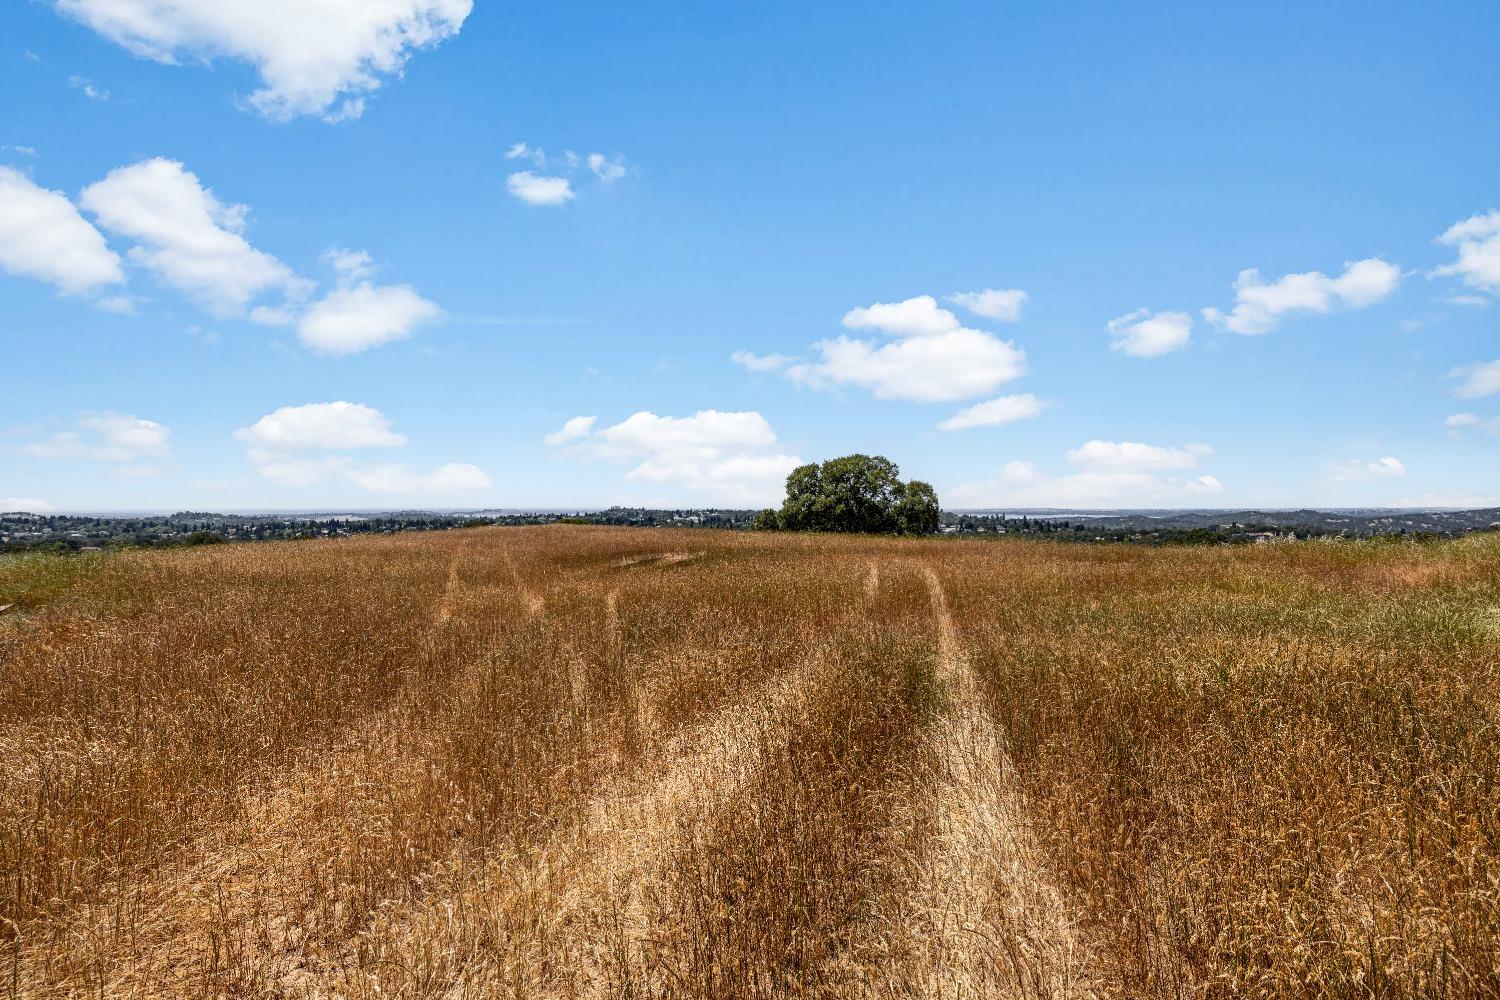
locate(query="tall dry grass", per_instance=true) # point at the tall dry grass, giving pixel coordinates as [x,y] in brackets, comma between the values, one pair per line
[572,762]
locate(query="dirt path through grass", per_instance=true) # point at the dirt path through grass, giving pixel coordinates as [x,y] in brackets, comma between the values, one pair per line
[985,918]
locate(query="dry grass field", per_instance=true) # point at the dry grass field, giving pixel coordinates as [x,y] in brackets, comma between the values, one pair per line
[589,762]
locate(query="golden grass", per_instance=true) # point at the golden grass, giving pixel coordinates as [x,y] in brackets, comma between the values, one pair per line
[571,761]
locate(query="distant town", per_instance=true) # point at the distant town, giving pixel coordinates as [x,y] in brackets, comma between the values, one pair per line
[64,533]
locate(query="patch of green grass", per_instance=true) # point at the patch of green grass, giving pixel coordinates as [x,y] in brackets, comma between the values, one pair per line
[31,580]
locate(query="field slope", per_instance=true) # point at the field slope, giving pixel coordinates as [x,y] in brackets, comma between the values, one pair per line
[593,762]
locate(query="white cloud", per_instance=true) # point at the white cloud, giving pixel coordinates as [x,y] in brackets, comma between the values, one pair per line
[1457,423]
[729,456]
[106,437]
[1001,304]
[760,362]
[934,359]
[350,265]
[1259,306]
[1473,301]
[347,320]
[356,315]
[1111,474]
[186,236]
[305,445]
[42,236]
[542,190]
[1478,241]
[455,477]
[120,305]
[1356,470]
[23,150]
[1143,334]
[960,364]
[521,151]
[1101,456]
[26,505]
[571,430]
[606,169]
[1482,379]
[537,190]
[295,470]
[90,91]
[914,317]
[995,412]
[339,426]
[309,53]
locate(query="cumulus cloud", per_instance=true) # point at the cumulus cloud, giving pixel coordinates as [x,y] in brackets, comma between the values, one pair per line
[90,91]
[1000,304]
[350,265]
[455,477]
[1107,456]
[535,189]
[1477,240]
[732,457]
[356,315]
[1143,334]
[760,362]
[24,505]
[1357,470]
[313,58]
[305,445]
[348,320]
[106,437]
[931,358]
[339,426]
[521,151]
[1476,380]
[607,169]
[915,317]
[571,430]
[186,236]
[1458,423]
[551,181]
[42,236]
[1260,305]
[1110,474]
[941,368]
[995,412]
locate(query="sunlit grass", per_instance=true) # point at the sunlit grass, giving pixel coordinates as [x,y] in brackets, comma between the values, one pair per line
[579,761]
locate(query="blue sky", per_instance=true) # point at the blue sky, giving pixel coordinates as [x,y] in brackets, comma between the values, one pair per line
[307,255]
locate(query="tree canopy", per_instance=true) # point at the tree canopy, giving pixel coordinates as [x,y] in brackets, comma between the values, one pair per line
[856,493]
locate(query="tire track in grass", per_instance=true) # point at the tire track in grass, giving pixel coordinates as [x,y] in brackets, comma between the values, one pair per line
[985,918]
[532,602]
[641,707]
[554,921]
[450,594]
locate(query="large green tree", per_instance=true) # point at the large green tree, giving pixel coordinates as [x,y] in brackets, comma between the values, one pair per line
[856,493]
